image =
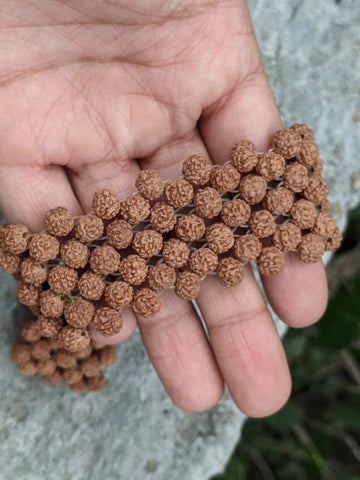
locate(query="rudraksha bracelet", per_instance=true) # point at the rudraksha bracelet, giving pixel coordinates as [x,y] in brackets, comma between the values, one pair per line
[213,220]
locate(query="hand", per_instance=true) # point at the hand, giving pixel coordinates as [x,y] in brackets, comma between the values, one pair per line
[93,91]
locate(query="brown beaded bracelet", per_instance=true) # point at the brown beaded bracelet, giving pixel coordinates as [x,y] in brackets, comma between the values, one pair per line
[212,220]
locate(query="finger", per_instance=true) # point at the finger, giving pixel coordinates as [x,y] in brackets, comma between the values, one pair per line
[168,158]
[27,193]
[181,355]
[246,345]
[117,174]
[129,327]
[250,113]
[298,294]
[174,338]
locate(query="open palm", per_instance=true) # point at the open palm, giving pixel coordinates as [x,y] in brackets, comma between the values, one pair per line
[94,90]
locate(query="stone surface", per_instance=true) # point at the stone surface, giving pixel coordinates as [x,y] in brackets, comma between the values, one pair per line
[131,430]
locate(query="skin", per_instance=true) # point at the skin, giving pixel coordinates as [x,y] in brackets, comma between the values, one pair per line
[93,91]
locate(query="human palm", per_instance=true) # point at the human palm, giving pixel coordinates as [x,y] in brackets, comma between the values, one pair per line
[93,91]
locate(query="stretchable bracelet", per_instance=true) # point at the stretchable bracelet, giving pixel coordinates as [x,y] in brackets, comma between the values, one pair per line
[211,221]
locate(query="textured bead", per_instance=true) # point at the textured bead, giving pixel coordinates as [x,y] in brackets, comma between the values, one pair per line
[74,338]
[20,352]
[149,184]
[247,248]
[203,261]
[305,133]
[50,326]
[88,228]
[28,368]
[317,189]
[287,236]
[9,262]
[96,384]
[33,272]
[14,238]
[107,321]
[134,269]
[62,279]
[146,302]
[207,202]
[91,285]
[147,243]
[135,209]
[40,349]
[219,237]
[118,294]
[235,212]
[106,204]
[43,247]
[80,313]
[311,248]
[72,376]
[324,225]
[104,260]
[271,165]
[187,285]
[28,294]
[252,189]
[46,367]
[296,177]
[175,253]
[196,169]
[84,352]
[91,367]
[190,228]
[107,355]
[334,241]
[53,379]
[224,178]
[161,277]
[243,156]
[59,221]
[230,272]
[75,254]
[262,223]
[162,217]
[119,234]
[287,142]
[303,214]
[270,261]
[179,193]
[308,155]
[64,359]
[30,330]
[278,201]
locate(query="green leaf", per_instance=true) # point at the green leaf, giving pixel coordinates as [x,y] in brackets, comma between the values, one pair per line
[295,345]
[236,470]
[324,443]
[284,419]
[340,325]
[252,430]
[311,470]
[290,470]
[352,234]
[344,415]
[300,377]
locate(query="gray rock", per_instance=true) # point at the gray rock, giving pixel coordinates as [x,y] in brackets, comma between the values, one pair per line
[131,430]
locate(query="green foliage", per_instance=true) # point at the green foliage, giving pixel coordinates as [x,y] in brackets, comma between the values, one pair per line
[316,435]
